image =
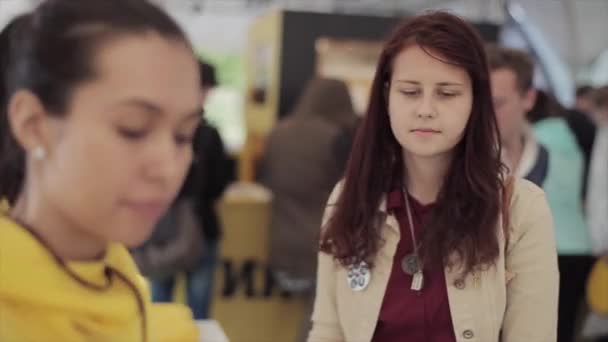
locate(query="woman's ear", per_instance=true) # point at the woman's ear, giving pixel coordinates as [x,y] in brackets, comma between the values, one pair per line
[28,121]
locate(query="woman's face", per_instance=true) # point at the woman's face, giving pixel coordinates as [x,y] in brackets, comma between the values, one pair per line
[116,160]
[429,103]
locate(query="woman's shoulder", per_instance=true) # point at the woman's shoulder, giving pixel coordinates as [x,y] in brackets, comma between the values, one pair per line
[331,203]
[10,232]
[528,206]
[526,196]
[523,188]
[335,193]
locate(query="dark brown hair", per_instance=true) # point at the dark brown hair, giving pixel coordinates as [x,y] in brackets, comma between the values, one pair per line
[584,90]
[518,61]
[207,75]
[600,97]
[327,98]
[51,51]
[464,219]
[546,106]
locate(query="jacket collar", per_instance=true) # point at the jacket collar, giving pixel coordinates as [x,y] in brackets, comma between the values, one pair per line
[529,154]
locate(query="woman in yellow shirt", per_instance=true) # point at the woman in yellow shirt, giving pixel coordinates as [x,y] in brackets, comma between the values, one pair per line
[98,105]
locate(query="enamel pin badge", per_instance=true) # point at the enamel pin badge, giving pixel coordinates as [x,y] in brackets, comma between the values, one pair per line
[358,276]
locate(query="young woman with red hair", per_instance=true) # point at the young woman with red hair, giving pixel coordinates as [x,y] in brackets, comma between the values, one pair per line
[414,245]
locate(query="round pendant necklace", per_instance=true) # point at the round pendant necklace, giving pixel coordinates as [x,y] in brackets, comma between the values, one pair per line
[410,263]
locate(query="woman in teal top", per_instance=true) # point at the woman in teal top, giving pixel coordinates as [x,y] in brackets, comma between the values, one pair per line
[563,185]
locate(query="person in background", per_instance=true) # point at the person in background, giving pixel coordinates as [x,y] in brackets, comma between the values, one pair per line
[300,167]
[564,185]
[597,199]
[511,74]
[597,204]
[599,108]
[584,99]
[304,157]
[100,101]
[580,124]
[413,246]
[512,88]
[207,179]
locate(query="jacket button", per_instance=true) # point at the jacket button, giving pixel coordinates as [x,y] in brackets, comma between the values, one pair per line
[468,334]
[459,284]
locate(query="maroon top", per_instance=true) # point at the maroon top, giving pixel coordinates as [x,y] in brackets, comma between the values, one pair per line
[408,315]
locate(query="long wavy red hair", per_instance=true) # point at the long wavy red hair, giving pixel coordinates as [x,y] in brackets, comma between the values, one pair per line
[464,219]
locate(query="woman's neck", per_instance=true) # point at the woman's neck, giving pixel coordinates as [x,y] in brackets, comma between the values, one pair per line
[424,176]
[61,235]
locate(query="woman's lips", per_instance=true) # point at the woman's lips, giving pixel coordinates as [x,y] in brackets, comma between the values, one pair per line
[149,210]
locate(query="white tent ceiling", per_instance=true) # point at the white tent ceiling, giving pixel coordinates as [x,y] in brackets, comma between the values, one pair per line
[576,28]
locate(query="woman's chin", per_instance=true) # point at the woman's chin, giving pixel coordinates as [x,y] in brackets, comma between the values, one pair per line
[135,236]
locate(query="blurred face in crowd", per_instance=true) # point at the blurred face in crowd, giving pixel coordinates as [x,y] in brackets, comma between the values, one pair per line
[599,114]
[510,103]
[584,103]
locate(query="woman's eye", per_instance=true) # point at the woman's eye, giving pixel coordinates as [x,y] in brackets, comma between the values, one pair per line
[184,139]
[132,134]
[448,94]
[410,92]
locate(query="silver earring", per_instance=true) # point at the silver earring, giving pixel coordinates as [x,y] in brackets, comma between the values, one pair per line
[39,153]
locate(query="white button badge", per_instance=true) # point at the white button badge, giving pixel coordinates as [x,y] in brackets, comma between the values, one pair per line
[358,276]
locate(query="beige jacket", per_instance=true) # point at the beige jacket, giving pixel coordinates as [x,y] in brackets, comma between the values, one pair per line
[516,301]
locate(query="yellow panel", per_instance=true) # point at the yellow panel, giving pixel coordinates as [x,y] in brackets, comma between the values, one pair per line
[263,87]
[3,206]
[244,248]
[263,68]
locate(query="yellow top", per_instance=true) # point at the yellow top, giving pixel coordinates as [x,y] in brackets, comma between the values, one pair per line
[3,206]
[597,287]
[105,300]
